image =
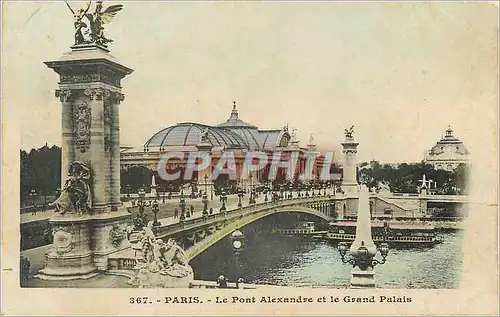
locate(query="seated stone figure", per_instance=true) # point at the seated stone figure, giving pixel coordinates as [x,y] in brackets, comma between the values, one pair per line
[76,195]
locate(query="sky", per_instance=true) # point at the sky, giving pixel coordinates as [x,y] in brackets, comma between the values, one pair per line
[399,72]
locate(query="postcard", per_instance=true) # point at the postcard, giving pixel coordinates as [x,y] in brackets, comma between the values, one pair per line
[249,158]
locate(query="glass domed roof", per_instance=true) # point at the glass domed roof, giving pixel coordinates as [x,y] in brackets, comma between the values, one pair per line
[189,134]
[234,133]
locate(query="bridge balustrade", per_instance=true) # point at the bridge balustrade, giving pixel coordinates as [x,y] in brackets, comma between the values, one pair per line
[231,214]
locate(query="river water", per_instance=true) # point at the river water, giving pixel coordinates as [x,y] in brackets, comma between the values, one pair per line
[304,262]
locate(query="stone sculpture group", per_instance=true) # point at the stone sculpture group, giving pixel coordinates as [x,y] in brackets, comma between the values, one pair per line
[159,264]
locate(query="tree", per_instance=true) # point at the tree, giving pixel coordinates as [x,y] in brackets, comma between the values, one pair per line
[40,170]
[135,177]
[405,178]
[460,178]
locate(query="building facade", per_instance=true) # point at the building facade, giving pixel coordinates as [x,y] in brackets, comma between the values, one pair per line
[235,136]
[448,153]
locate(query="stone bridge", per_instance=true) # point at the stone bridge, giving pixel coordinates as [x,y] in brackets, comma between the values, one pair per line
[197,234]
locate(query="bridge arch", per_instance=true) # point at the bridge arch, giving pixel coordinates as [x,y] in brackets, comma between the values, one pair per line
[245,220]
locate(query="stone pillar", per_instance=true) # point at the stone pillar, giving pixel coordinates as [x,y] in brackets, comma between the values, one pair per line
[67,152]
[114,152]
[98,162]
[363,277]
[85,235]
[349,177]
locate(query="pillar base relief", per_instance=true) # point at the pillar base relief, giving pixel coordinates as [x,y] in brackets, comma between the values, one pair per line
[109,235]
[70,256]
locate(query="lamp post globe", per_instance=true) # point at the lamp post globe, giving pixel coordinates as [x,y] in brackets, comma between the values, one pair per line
[237,238]
[237,244]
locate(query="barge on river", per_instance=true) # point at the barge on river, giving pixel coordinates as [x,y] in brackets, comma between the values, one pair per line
[301,229]
[394,233]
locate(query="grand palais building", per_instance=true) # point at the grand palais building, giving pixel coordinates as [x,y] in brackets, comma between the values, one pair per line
[233,135]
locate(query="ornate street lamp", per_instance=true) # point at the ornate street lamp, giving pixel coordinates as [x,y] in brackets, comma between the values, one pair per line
[140,221]
[141,203]
[252,195]
[128,190]
[206,184]
[363,249]
[32,195]
[205,204]
[240,196]
[155,208]
[182,205]
[363,258]
[237,240]
[223,200]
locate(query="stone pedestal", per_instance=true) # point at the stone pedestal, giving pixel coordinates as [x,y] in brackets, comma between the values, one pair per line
[363,278]
[87,230]
[70,256]
[109,236]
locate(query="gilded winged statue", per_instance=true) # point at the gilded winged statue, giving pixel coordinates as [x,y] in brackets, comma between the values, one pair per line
[349,133]
[97,19]
[78,23]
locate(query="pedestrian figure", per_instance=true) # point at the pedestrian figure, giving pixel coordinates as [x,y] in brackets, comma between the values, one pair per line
[192,209]
[239,282]
[176,212]
[222,281]
[211,211]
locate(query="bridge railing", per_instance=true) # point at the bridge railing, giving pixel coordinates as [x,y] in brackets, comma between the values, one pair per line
[231,214]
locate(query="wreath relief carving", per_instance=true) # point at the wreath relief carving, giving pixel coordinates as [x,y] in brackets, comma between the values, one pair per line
[83,119]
